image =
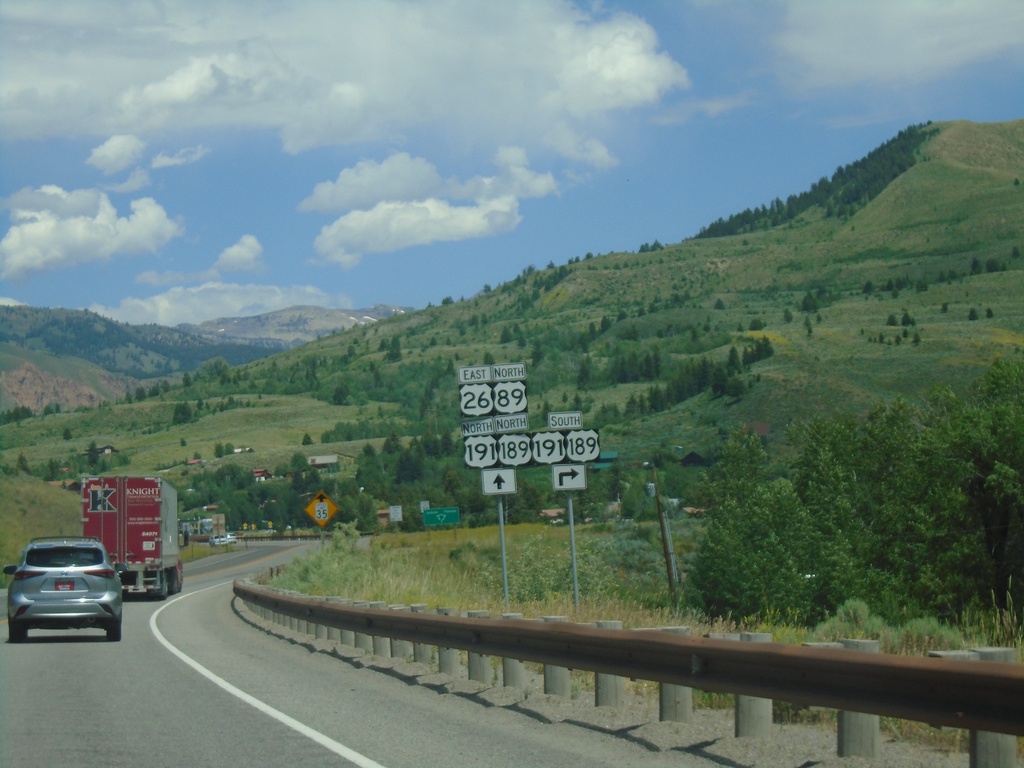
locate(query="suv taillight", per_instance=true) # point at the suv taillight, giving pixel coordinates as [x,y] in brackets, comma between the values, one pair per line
[19,575]
[106,573]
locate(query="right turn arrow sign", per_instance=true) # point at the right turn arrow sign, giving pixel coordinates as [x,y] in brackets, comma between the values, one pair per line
[569,477]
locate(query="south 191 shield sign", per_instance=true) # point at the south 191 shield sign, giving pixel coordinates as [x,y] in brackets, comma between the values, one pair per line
[548,447]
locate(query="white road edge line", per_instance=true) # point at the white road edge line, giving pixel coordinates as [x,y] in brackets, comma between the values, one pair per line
[339,749]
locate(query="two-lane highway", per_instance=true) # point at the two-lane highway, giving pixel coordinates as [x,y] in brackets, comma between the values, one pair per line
[192,684]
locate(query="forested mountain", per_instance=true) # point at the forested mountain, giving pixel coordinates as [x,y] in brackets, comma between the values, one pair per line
[140,351]
[102,360]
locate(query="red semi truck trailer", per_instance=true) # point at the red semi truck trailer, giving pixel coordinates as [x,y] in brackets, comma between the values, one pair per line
[136,518]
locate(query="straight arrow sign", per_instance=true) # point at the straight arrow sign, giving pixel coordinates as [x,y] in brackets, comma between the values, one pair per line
[498,481]
[569,477]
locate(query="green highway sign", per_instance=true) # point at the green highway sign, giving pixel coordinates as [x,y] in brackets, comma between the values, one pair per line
[441,516]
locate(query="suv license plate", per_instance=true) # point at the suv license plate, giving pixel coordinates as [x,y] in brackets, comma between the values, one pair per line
[65,586]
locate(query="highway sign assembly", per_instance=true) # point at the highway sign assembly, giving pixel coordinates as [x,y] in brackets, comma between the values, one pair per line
[497,440]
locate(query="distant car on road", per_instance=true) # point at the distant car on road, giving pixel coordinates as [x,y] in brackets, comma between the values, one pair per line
[218,541]
[63,582]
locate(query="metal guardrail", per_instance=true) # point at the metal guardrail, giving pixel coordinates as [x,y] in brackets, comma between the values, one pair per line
[977,696]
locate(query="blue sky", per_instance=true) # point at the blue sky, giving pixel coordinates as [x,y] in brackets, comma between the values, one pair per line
[183,161]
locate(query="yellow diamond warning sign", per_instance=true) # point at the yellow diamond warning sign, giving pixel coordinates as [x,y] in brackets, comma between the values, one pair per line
[321,508]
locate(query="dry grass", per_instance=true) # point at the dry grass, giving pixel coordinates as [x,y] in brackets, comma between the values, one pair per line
[29,507]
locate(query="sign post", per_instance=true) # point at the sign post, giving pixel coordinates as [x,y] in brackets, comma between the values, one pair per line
[572,552]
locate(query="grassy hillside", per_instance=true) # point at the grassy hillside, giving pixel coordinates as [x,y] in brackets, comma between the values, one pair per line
[919,287]
[30,508]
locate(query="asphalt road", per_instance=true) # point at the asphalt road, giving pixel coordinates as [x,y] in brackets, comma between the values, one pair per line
[193,685]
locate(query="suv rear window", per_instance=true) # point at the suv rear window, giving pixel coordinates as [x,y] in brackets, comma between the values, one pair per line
[63,557]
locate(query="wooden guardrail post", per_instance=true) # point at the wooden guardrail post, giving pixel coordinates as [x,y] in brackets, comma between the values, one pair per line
[420,651]
[753,714]
[447,658]
[400,649]
[557,680]
[859,733]
[478,663]
[608,689]
[675,702]
[513,671]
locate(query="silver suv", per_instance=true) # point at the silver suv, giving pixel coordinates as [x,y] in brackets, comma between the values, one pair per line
[63,582]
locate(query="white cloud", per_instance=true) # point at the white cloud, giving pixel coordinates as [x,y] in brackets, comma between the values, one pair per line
[325,73]
[399,211]
[244,256]
[117,153]
[612,65]
[402,178]
[393,225]
[399,177]
[514,179]
[713,107]
[216,299]
[878,42]
[575,146]
[138,180]
[155,278]
[54,229]
[185,156]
